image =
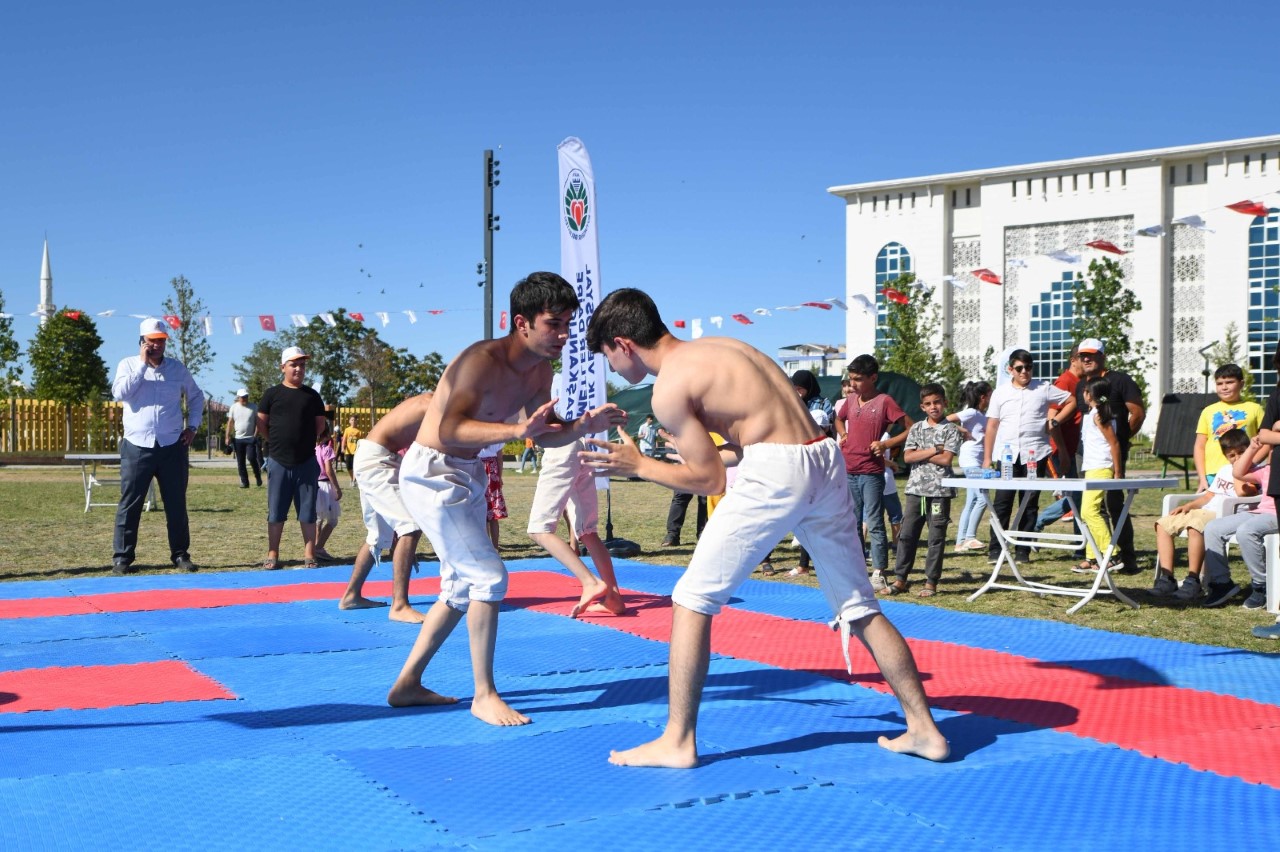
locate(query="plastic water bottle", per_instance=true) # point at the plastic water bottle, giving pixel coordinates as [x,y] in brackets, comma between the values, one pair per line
[1006,462]
[1032,472]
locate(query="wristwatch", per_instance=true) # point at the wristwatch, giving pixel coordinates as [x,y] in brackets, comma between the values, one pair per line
[1053,421]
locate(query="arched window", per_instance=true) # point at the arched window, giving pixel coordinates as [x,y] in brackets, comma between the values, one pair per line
[892,262]
[1052,324]
[1264,300]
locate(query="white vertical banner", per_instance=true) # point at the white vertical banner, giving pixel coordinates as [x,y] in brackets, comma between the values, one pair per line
[582,375]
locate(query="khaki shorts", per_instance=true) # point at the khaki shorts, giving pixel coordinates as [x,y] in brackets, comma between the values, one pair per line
[564,483]
[1193,519]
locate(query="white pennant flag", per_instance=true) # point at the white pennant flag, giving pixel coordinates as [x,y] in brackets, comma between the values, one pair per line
[1153,231]
[1063,256]
[208,325]
[6,316]
[955,281]
[921,284]
[107,313]
[764,312]
[787,308]
[328,319]
[717,321]
[839,304]
[1194,221]
[299,320]
[237,324]
[413,317]
[382,315]
[1015,263]
[697,329]
[863,302]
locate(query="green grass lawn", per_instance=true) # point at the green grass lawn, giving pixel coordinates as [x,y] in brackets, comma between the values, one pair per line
[51,536]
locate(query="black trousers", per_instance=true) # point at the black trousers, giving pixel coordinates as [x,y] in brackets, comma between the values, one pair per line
[677,511]
[138,466]
[1002,505]
[247,451]
[917,513]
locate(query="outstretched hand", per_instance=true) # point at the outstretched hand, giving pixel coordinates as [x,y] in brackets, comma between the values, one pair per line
[540,422]
[621,459]
[604,418]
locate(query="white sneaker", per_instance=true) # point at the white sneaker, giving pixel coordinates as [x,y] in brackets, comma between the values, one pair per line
[877,581]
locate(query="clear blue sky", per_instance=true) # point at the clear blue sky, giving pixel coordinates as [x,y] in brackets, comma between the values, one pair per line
[255,146]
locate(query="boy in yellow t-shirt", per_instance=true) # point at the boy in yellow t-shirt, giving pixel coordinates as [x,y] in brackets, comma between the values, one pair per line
[1216,420]
[350,437]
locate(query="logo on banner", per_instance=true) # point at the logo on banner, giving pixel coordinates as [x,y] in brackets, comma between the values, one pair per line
[577,212]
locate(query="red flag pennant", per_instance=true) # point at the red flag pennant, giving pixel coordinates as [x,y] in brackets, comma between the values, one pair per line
[502,320]
[742,318]
[1250,208]
[436,313]
[895,296]
[174,322]
[357,316]
[678,323]
[986,275]
[823,305]
[1104,245]
[267,321]
[75,315]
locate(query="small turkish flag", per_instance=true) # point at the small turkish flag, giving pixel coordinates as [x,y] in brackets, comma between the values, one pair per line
[502,320]
[267,321]
[1250,208]
[1104,245]
[986,275]
[435,313]
[895,296]
[678,323]
[75,315]
[742,318]
[823,305]
[357,316]
[174,322]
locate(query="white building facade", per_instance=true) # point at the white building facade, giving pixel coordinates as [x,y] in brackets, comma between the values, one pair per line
[1192,282]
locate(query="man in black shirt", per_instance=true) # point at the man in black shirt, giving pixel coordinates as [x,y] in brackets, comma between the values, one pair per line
[1124,390]
[290,417]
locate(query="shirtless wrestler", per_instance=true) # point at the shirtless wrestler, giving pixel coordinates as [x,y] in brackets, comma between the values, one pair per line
[376,469]
[491,384]
[789,477]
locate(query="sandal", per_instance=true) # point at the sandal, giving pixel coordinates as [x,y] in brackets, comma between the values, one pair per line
[929,590]
[270,564]
[797,572]
[1088,566]
[309,563]
[766,568]
[897,587]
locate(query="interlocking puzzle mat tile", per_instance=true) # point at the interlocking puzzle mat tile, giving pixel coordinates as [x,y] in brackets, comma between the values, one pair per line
[272,802]
[82,687]
[108,651]
[200,643]
[441,782]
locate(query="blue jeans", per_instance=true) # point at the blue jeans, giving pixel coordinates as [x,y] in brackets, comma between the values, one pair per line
[975,503]
[867,492]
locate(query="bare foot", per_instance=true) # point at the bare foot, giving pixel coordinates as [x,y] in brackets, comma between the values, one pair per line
[407,614]
[416,695]
[657,753]
[930,746]
[495,711]
[590,593]
[610,603]
[358,602]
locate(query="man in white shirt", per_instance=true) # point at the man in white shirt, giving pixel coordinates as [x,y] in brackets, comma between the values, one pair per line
[155,443]
[242,429]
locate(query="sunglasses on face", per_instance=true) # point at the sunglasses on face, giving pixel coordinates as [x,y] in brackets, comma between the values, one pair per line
[1020,368]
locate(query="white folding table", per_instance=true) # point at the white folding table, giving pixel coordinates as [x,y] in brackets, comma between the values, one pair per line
[1014,538]
[89,478]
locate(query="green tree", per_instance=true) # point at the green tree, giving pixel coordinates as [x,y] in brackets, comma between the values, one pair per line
[65,363]
[374,363]
[1103,309]
[191,347]
[1228,351]
[10,371]
[909,347]
[260,369]
[417,375]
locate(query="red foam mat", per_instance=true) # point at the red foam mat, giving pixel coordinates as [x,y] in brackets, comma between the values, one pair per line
[1160,721]
[97,687]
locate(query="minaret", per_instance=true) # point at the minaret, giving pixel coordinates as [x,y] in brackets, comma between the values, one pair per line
[45,308]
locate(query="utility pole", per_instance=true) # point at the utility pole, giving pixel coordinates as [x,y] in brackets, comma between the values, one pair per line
[485,267]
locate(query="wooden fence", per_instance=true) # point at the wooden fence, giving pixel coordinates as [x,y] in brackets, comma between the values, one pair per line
[43,426]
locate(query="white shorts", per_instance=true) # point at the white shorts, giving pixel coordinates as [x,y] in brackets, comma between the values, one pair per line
[377,473]
[328,509]
[565,482]
[445,496]
[779,488]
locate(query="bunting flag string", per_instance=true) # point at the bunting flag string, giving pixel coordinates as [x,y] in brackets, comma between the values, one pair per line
[742,318]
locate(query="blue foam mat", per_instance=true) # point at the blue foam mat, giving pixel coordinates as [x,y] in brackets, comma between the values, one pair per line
[110,651]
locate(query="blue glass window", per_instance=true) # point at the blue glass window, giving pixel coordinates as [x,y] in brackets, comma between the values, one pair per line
[1264,300]
[1052,325]
[892,262]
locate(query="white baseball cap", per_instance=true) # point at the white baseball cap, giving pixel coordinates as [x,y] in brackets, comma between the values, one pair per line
[1091,345]
[293,353]
[242,392]
[153,329]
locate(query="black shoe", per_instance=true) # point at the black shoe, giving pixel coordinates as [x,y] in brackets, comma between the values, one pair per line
[670,541]
[244,485]
[184,563]
[122,566]
[1257,598]
[1220,593]
[1022,554]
